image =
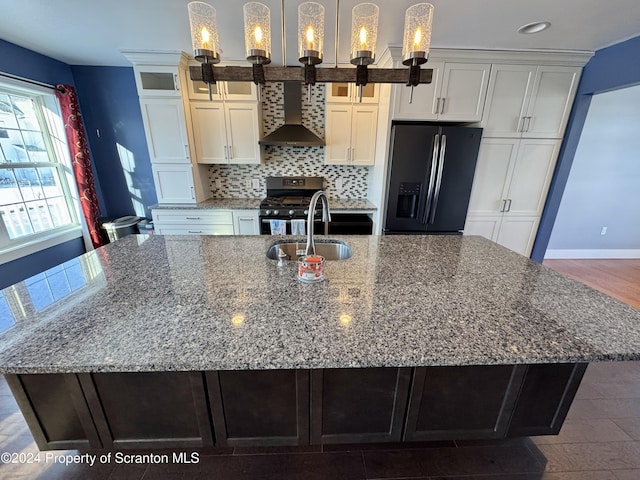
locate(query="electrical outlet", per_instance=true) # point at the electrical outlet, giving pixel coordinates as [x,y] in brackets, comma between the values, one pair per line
[339,183]
[248,183]
[255,184]
[603,231]
[218,184]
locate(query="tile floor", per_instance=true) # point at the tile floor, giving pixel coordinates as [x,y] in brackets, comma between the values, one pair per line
[600,440]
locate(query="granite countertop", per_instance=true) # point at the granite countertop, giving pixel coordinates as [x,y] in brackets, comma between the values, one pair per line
[154,303]
[336,204]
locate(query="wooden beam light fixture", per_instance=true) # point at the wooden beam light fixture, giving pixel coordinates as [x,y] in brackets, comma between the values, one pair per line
[257,30]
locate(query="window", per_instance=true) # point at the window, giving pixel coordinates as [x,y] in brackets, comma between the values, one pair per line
[37,193]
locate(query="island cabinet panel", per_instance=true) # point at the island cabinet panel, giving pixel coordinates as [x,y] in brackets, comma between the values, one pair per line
[546,395]
[55,410]
[260,407]
[464,402]
[357,405]
[150,409]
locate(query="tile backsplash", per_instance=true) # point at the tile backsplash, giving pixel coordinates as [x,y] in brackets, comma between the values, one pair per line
[235,180]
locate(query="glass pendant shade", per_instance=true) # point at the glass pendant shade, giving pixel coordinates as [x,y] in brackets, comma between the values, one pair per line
[417,34]
[310,32]
[204,32]
[364,33]
[257,32]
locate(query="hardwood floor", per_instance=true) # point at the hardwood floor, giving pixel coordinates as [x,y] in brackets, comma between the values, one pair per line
[600,439]
[617,278]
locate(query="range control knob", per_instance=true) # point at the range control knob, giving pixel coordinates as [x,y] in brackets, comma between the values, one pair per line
[291,212]
[267,212]
[276,212]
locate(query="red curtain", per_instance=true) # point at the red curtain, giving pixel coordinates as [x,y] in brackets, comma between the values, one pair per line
[79,150]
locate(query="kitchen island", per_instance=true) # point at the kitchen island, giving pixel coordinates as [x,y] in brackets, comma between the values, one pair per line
[197,341]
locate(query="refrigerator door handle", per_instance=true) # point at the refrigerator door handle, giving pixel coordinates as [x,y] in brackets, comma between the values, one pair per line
[432,175]
[443,149]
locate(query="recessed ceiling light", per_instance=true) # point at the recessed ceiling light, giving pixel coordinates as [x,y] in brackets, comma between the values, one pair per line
[534,27]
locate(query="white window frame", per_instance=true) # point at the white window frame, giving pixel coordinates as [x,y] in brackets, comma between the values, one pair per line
[29,244]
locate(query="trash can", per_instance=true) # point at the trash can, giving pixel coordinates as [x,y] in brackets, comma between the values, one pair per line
[120,227]
[145,227]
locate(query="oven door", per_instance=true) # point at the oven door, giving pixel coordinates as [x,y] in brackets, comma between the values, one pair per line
[265,225]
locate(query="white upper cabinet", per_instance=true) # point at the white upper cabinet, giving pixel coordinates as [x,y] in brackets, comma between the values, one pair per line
[529,101]
[165,129]
[349,93]
[551,101]
[233,91]
[226,132]
[456,93]
[157,80]
[350,134]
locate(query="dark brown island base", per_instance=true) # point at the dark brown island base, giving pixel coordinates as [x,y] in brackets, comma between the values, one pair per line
[172,341]
[294,407]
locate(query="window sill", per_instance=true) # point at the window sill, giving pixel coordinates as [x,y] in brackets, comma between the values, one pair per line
[39,244]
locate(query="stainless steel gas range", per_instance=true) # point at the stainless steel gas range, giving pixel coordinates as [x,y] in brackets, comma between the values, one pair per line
[288,200]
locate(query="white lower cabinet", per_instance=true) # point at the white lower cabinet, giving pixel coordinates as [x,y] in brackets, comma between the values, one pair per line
[515,233]
[246,222]
[174,182]
[509,190]
[195,221]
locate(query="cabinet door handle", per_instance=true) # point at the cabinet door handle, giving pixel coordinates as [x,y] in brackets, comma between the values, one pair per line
[193,192]
[503,205]
[508,205]
[353,154]
[528,124]
[348,154]
[520,127]
[186,149]
[176,83]
[230,152]
[437,105]
[226,155]
[443,100]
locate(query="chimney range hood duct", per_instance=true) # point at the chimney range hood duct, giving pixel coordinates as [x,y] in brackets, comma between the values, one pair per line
[292,133]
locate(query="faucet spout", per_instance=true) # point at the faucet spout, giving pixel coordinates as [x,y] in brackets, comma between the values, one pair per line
[326,218]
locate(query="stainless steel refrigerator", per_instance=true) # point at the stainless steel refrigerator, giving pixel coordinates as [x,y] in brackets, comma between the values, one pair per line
[431,173]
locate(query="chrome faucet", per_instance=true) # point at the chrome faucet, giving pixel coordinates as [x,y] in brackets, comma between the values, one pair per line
[326,218]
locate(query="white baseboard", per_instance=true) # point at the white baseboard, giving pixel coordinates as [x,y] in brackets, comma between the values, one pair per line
[584,253]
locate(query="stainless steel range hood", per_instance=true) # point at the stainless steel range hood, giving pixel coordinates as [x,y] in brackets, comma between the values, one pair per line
[292,133]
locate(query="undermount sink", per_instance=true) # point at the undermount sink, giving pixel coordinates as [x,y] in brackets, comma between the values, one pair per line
[330,250]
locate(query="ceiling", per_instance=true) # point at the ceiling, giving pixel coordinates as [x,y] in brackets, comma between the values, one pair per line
[92,32]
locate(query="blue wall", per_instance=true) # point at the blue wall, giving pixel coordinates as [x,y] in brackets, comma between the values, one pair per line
[611,68]
[109,103]
[28,64]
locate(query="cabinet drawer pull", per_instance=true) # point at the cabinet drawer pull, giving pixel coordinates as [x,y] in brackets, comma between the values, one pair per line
[195,231]
[192,218]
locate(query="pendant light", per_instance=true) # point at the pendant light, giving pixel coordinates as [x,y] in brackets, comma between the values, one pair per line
[310,40]
[364,33]
[417,40]
[204,38]
[257,39]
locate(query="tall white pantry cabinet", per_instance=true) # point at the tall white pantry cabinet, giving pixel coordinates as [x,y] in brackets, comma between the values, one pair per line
[159,83]
[525,115]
